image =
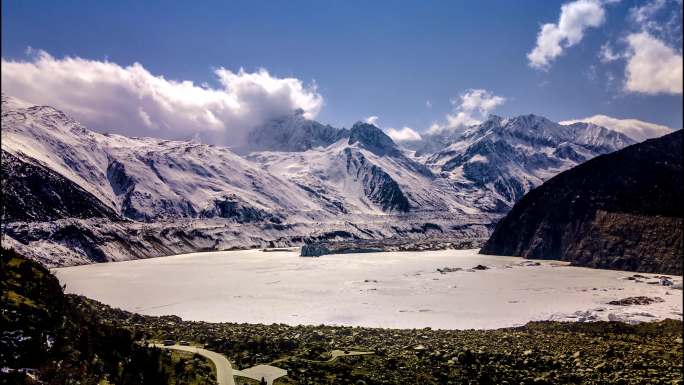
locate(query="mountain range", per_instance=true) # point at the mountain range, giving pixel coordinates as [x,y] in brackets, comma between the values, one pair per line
[295,179]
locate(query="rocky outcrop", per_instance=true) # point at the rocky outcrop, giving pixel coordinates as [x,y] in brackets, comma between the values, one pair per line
[629,242]
[231,207]
[620,211]
[378,186]
[32,192]
[313,250]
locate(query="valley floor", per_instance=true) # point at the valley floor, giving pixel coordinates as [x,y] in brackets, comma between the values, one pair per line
[446,289]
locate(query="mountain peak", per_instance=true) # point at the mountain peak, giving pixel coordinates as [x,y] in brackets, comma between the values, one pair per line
[494,118]
[530,119]
[372,138]
[292,133]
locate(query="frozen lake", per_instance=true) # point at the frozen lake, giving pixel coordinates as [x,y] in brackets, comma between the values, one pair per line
[397,289]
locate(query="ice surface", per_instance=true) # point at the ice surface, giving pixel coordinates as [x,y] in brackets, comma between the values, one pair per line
[396,289]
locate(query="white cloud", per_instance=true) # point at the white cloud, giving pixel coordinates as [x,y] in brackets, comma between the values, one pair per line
[635,129]
[428,104]
[652,67]
[653,61]
[472,106]
[480,100]
[574,19]
[402,135]
[607,54]
[643,15]
[398,135]
[132,101]
[372,120]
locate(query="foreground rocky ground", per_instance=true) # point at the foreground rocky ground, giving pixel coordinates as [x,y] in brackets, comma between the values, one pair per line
[538,353]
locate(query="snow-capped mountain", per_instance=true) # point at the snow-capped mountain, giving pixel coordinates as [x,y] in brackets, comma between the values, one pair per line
[95,197]
[292,133]
[365,172]
[500,160]
[145,178]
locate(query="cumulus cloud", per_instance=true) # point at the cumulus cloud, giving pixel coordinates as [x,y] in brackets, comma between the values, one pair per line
[553,39]
[469,109]
[652,67]
[653,63]
[372,120]
[635,129]
[403,135]
[131,101]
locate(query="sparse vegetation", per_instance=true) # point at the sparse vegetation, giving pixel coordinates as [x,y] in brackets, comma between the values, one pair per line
[47,337]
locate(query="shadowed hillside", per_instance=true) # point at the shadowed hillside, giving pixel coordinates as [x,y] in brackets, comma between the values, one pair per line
[620,211]
[50,338]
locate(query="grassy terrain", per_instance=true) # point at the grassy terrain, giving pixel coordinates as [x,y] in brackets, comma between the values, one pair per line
[190,369]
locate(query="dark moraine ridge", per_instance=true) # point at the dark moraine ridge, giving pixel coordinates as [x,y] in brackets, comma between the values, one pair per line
[618,211]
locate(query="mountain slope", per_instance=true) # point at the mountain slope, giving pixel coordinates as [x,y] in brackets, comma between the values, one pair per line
[144,178]
[47,337]
[622,210]
[32,192]
[501,159]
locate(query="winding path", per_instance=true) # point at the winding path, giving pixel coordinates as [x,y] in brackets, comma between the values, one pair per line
[224,370]
[225,373]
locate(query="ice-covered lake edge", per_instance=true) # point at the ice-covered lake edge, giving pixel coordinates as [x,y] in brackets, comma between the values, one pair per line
[437,289]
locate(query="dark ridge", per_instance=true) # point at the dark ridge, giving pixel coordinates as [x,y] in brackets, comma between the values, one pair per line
[62,339]
[620,211]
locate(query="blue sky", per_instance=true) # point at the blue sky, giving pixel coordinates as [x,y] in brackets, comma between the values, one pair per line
[401,61]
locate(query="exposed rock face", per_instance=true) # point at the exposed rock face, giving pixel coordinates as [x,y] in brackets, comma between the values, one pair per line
[32,192]
[232,207]
[621,211]
[630,242]
[313,250]
[377,185]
